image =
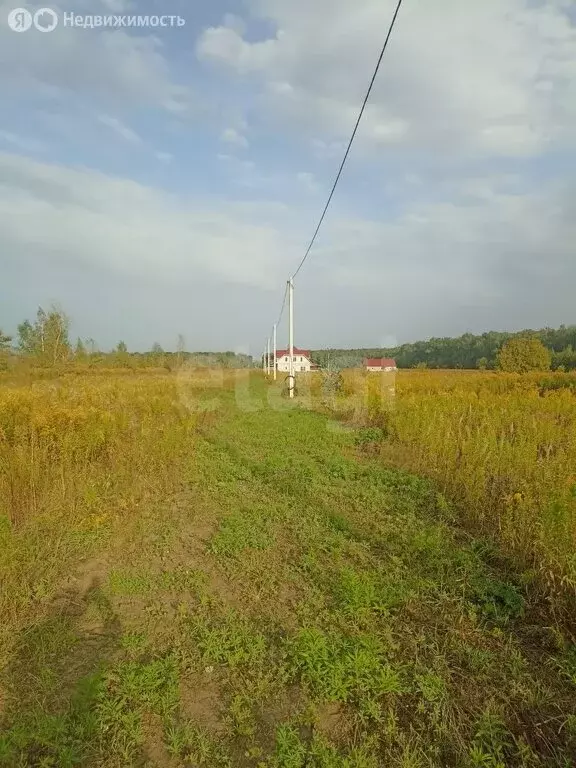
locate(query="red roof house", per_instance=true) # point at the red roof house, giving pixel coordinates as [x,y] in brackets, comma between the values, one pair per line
[286,352]
[380,364]
[302,360]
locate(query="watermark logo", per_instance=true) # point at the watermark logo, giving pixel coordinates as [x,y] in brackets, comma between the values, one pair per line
[20,20]
[349,397]
[46,20]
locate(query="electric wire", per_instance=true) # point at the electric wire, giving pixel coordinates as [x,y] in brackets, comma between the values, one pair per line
[343,163]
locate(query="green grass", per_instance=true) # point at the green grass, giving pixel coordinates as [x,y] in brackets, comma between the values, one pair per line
[296,604]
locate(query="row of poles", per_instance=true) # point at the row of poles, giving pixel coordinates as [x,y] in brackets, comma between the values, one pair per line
[273,368]
[266,358]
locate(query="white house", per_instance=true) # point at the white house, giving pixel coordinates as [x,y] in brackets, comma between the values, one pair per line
[380,364]
[302,361]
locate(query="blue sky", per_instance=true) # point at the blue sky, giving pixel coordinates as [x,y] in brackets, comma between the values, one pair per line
[164,181]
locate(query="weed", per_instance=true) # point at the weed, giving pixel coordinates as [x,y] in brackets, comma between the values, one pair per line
[228,640]
[341,668]
[196,747]
[567,663]
[491,740]
[242,530]
[290,752]
[498,601]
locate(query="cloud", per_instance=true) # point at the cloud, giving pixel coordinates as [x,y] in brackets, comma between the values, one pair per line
[495,78]
[501,254]
[443,269]
[491,255]
[117,225]
[328,150]
[308,181]
[23,143]
[454,211]
[231,21]
[232,136]
[248,175]
[120,128]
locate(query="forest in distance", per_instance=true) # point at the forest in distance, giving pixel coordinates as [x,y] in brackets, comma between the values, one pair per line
[48,340]
[468,351]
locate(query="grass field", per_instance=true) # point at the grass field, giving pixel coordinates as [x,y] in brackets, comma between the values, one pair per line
[254,584]
[503,447]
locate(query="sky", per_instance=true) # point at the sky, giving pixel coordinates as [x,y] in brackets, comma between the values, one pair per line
[167,180]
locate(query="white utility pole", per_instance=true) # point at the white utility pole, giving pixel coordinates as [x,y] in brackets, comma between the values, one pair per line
[291,378]
[274,350]
[268,356]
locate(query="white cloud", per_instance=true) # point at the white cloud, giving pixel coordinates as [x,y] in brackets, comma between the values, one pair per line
[308,181]
[510,253]
[492,255]
[120,128]
[232,136]
[121,226]
[235,22]
[497,77]
[447,234]
[23,143]
[324,150]
[413,179]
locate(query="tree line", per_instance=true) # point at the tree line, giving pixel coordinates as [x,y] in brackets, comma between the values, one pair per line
[46,342]
[466,351]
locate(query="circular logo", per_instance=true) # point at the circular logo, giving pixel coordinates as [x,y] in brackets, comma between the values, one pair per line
[45,20]
[19,20]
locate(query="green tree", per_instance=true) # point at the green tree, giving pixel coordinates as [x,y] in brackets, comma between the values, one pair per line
[4,341]
[566,359]
[522,354]
[47,339]
[461,352]
[4,350]
[121,348]
[482,363]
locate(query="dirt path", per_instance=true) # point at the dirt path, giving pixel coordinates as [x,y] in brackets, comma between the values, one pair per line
[296,605]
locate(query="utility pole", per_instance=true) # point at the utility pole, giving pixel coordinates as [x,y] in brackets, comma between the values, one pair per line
[268,356]
[264,361]
[274,350]
[291,379]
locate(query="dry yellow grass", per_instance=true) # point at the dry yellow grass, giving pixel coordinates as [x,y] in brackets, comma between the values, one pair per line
[77,455]
[78,452]
[332,618]
[503,446]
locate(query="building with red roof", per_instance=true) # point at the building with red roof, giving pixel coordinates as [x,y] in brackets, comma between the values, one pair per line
[380,364]
[302,360]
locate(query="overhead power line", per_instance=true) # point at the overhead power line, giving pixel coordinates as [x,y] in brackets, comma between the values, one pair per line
[350,142]
[283,305]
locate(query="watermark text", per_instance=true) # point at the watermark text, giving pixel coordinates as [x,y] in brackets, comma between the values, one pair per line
[46,20]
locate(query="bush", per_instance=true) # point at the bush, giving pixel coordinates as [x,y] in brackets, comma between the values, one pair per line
[520,355]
